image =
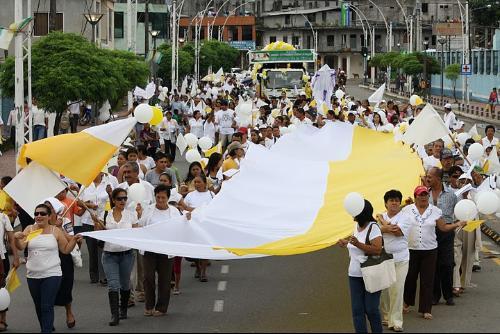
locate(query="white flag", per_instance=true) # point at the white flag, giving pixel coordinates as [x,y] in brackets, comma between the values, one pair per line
[33,185]
[378,95]
[184,86]
[181,143]
[427,127]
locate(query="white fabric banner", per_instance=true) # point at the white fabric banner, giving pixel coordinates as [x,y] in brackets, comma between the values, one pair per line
[33,185]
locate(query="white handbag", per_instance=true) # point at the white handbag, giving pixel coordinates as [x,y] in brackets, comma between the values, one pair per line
[76,255]
[379,272]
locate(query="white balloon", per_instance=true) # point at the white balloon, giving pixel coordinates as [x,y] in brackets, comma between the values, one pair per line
[137,192]
[354,203]
[193,155]
[476,151]
[462,138]
[205,143]
[339,94]
[143,113]
[4,299]
[191,139]
[465,210]
[413,100]
[487,202]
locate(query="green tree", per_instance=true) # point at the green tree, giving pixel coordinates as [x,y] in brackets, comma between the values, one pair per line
[186,62]
[452,73]
[67,67]
[484,16]
[217,54]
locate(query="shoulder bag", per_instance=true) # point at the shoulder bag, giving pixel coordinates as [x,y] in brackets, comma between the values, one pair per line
[378,271]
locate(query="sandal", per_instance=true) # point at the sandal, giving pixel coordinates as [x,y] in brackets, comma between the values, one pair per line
[427,316]
[148,313]
[157,313]
[406,309]
[456,292]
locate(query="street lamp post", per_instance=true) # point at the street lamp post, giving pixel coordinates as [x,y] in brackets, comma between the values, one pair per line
[315,41]
[221,31]
[154,35]
[426,46]
[93,19]
[442,41]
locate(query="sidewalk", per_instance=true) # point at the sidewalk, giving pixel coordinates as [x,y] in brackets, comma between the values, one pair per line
[475,110]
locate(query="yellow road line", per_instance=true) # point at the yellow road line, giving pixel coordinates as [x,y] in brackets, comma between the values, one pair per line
[495,259]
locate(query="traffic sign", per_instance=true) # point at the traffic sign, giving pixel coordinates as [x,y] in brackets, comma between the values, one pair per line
[466,69]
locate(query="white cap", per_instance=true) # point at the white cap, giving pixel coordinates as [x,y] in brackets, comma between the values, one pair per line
[447,106]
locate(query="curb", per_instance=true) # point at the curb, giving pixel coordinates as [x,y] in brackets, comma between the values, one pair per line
[491,233]
[457,112]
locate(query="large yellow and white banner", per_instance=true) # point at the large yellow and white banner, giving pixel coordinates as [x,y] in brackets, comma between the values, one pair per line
[287,200]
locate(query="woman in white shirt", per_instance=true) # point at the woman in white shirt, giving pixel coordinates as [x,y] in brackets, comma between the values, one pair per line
[424,218]
[209,127]
[196,124]
[199,197]
[43,267]
[160,212]
[168,132]
[64,295]
[118,261]
[364,304]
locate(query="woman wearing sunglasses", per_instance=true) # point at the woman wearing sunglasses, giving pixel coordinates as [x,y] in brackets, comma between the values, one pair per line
[118,261]
[43,267]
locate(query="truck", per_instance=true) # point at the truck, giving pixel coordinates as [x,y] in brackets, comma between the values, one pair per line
[280,67]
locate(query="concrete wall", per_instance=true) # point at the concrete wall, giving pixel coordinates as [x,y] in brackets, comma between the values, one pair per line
[73,19]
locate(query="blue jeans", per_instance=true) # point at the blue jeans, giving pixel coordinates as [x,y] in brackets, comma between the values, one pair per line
[44,292]
[118,267]
[364,305]
[38,132]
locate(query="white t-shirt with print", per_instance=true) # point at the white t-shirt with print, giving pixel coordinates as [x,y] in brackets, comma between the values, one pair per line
[357,255]
[196,199]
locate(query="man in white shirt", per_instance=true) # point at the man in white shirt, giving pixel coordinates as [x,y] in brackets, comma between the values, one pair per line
[74,109]
[40,118]
[131,176]
[450,120]
[490,139]
[301,117]
[395,228]
[434,159]
[226,123]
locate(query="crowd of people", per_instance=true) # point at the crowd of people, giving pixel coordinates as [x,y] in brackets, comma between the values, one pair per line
[420,235]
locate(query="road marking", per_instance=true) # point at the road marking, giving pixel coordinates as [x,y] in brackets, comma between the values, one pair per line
[224,269]
[222,286]
[218,306]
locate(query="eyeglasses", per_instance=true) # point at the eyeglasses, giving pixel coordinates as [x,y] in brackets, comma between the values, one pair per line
[124,198]
[41,213]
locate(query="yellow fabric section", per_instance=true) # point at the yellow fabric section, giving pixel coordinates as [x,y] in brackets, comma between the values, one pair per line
[79,156]
[376,165]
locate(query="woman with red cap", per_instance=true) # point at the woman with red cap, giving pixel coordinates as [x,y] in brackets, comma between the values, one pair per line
[424,218]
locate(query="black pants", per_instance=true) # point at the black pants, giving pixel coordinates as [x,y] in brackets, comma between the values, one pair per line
[423,264]
[93,253]
[73,122]
[443,279]
[161,264]
[170,148]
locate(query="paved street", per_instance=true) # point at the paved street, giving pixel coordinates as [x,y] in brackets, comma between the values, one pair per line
[306,293]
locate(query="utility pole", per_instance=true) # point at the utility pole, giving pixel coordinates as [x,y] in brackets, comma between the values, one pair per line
[52,15]
[129,25]
[23,122]
[388,86]
[174,44]
[467,51]
[373,53]
[146,28]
